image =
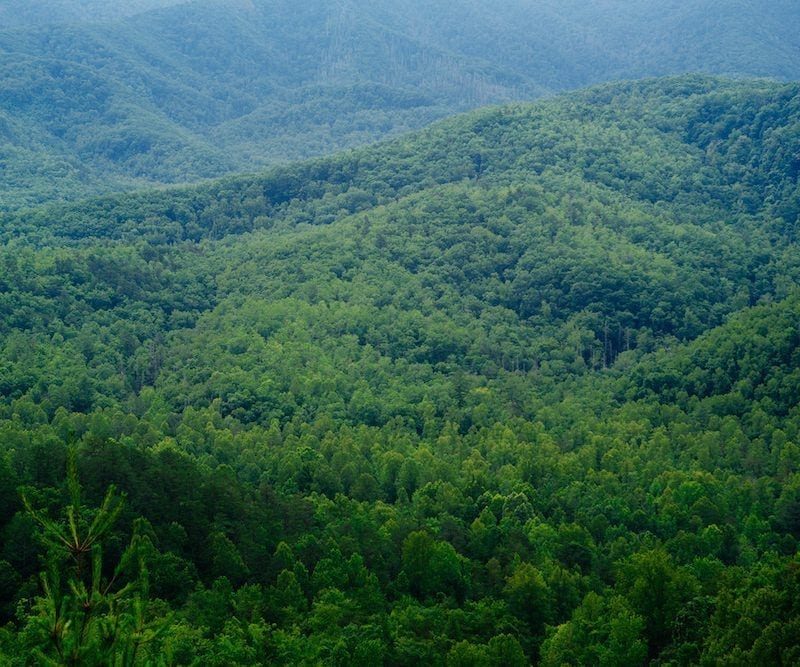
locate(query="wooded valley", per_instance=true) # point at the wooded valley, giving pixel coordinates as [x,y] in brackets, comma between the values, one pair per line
[521,387]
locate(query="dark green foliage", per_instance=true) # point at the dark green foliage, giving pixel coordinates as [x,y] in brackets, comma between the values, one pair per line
[522,387]
[86,616]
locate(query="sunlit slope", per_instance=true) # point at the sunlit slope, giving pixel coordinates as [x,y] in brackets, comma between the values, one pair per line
[553,236]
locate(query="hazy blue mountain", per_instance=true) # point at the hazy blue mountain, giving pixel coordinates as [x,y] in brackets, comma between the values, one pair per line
[172,92]
[32,13]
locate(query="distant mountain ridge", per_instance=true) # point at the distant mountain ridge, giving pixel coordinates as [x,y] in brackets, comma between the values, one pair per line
[169,92]
[33,13]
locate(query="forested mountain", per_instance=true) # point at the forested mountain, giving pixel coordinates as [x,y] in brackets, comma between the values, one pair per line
[520,387]
[35,13]
[98,97]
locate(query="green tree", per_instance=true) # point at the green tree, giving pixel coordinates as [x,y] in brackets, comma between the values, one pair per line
[432,566]
[601,632]
[83,616]
[656,590]
[529,598]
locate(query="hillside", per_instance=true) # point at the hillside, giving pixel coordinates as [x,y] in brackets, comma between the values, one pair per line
[520,387]
[34,13]
[99,97]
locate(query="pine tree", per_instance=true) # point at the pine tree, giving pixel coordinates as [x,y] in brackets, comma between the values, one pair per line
[83,617]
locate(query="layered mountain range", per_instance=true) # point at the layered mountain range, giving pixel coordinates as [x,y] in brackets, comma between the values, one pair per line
[98,97]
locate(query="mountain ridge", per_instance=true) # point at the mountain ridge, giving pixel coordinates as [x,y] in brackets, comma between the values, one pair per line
[196,90]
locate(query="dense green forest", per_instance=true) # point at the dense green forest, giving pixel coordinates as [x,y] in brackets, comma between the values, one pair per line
[521,387]
[106,96]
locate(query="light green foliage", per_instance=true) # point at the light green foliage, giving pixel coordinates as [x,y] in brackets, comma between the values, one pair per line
[601,632]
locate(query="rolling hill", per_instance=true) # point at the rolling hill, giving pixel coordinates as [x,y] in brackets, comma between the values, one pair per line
[99,97]
[521,386]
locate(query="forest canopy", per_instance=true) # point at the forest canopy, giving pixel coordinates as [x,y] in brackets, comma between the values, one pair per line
[520,387]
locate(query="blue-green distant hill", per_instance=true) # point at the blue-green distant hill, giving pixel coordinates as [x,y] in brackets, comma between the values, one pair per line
[102,96]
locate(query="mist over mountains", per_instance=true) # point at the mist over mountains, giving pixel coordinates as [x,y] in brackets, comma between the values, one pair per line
[106,96]
[36,13]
